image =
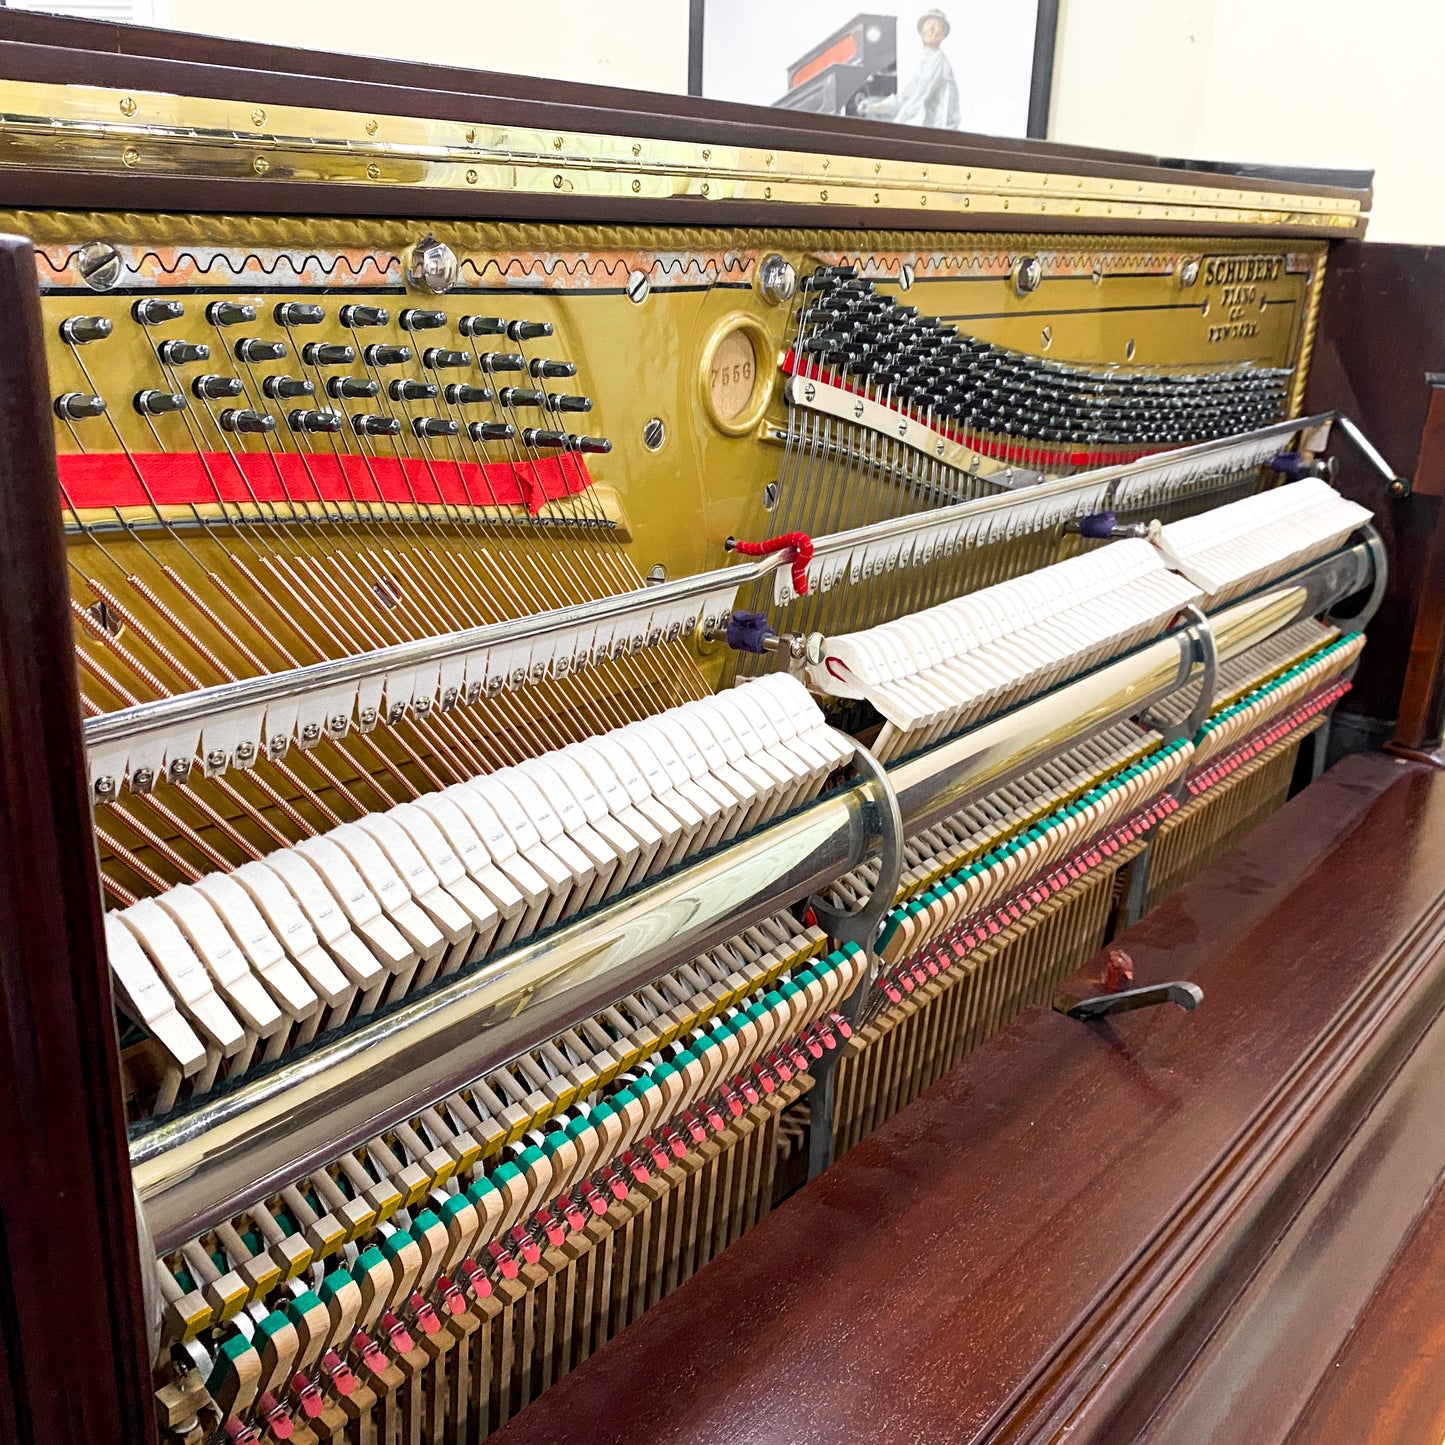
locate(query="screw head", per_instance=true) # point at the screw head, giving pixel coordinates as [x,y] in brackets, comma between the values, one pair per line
[128,107]
[654,433]
[367,717]
[142,780]
[258,116]
[1028,274]
[777,280]
[99,265]
[178,769]
[216,758]
[260,165]
[906,276]
[311,733]
[105,787]
[432,266]
[1189,272]
[245,752]
[638,287]
[276,746]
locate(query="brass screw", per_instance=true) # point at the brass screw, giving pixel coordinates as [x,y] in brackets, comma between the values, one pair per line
[704,188]
[557,182]
[636,185]
[767,193]
[372,126]
[557,143]
[131,156]
[875,198]
[768,158]
[636,148]
[707,155]
[822,195]
[373,172]
[258,116]
[260,165]
[923,201]
[127,106]
[877,166]
[471,136]
[827,161]
[471,178]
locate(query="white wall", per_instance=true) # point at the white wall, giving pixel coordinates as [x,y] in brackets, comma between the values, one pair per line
[636,43]
[1354,83]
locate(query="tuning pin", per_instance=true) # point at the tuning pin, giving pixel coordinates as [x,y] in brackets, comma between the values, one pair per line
[284,388]
[253,350]
[460,394]
[380,355]
[252,422]
[414,320]
[78,406]
[229,313]
[528,330]
[303,420]
[561,401]
[321,353]
[80,329]
[298,313]
[151,310]
[215,388]
[342,387]
[434,358]
[371,425]
[412,390]
[513,396]
[183,353]
[157,403]
[433,426]
[353,316]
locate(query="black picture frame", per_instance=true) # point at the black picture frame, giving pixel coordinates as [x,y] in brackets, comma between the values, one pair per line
[1041,82]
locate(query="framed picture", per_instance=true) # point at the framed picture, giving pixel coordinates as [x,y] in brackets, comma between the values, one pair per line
[960,65]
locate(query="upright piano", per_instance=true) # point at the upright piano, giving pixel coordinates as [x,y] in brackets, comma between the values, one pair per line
[568,654]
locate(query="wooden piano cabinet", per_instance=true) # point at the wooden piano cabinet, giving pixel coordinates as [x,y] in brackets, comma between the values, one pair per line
[73,1367]
[1160,1227]
[1381,341]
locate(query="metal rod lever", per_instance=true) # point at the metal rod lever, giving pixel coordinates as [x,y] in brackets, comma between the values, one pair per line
[1187,995]
[1398,485]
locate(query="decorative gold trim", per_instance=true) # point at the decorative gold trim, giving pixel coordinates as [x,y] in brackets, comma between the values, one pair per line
[100,130]
[764,372]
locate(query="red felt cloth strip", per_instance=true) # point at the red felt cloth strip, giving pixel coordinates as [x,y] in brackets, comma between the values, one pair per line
[98,481]
[800,544]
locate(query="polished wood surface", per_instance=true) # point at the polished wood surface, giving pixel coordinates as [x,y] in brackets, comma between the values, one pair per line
[1387,1385]
[1381,334]
[73,1367]
[1044,1244]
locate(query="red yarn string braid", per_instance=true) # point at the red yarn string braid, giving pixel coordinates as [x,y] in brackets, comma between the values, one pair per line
[799,544]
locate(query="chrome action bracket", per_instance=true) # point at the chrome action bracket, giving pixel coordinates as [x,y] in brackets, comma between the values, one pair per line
[860,926]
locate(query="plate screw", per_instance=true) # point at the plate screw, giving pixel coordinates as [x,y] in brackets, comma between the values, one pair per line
[99,265]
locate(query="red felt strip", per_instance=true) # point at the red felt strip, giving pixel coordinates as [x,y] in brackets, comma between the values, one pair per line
[99,481]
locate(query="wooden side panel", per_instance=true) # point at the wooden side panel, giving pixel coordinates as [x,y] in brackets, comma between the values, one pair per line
[1381,332]
[71,1327]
